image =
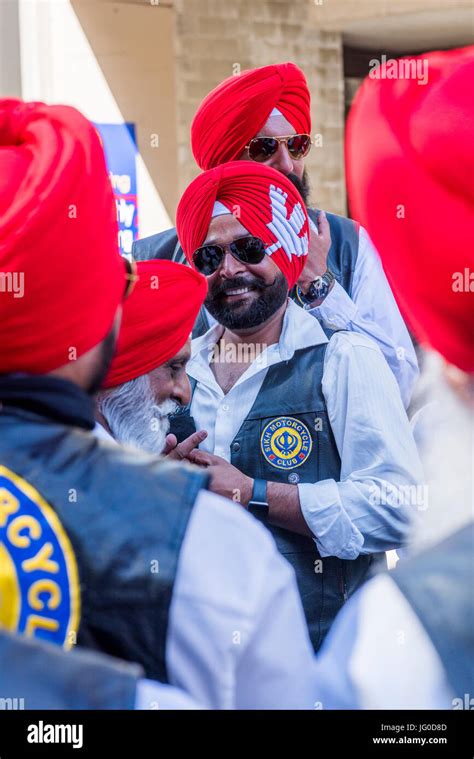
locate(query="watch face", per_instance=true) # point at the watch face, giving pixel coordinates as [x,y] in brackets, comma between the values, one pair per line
[316,292]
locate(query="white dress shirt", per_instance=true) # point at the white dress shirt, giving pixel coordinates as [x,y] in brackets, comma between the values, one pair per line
[372,311]
[378,655]
[379,460]
[237,636]
[153,695]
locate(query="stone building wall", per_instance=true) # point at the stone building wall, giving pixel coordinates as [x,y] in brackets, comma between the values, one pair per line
[214,39]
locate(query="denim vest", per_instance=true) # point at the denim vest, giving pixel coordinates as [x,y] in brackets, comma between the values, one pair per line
[290,415]
[36,675]
[438,584]
[110,523]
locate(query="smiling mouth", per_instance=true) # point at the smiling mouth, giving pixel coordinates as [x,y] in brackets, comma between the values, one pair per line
[237,291]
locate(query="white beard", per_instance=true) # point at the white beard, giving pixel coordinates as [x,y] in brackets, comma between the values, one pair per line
[133,416]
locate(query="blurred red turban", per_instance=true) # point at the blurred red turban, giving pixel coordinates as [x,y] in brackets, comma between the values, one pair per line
[61,275]
[235,111]
[264,201]
[410,170]
[157,319]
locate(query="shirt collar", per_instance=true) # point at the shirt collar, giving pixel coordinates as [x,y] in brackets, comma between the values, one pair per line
[299,330]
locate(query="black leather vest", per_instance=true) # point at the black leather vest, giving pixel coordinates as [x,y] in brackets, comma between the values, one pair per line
[287,438]
[342,256]
[35,675]
[110,523]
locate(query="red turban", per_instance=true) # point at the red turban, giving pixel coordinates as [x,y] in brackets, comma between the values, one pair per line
[157,318]
[410,169]
[235,111]
[265,202]
[61,276]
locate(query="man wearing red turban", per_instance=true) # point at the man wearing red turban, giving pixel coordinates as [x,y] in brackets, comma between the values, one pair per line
[407,638]
[147,380]
[263,114]
[116,549]
[306,433]
[431,186]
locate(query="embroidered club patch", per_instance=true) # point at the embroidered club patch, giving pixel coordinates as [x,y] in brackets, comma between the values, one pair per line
[286,442]
[39,587]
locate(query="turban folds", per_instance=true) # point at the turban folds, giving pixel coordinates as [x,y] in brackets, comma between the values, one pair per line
[263,200]
[157,318]
[235,111]
[61,275]
[410,169]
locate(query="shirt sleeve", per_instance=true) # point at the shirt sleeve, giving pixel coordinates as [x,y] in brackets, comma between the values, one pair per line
[371,507]
[153,695]
[373,311]
[237,636]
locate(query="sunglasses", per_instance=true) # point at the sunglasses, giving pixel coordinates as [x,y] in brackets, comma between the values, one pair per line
[262,148]
[248,250]
[131,276]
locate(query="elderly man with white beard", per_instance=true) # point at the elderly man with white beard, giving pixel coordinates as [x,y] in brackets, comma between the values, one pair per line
[147,380]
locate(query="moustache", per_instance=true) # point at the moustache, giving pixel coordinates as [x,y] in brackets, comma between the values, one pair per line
[255,283]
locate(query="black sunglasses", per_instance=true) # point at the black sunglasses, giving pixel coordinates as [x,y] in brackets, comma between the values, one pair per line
[248,250]
[262,148]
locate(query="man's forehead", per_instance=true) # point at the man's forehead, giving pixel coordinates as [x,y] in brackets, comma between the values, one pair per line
[182,355]
[275,126]
[224,229]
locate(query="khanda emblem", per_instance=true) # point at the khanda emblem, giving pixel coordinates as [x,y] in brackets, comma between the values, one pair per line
[286,442]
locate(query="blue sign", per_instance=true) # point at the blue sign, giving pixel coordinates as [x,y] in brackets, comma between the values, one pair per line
[120,148]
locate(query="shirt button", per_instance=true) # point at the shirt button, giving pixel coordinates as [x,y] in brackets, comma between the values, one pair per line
[225,407]
[235,447]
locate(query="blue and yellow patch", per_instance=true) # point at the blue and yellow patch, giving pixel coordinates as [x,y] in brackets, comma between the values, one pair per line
[286,442]
[39,587]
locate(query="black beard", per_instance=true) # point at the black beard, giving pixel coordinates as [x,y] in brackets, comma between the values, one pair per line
[302,185]
[107,350]
[234,317]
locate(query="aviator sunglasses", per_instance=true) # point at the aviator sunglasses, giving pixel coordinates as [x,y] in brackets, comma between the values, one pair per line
[248,250]
[262,148]
[131,276]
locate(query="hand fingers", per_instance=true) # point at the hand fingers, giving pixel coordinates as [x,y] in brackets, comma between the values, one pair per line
[201,458]
[184,448]
[323,225]
[313,227]
[171,442]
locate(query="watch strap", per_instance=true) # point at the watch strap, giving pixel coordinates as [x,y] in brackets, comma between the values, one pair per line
[258,504]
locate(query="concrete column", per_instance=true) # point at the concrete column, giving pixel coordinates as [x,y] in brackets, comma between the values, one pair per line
[10,59]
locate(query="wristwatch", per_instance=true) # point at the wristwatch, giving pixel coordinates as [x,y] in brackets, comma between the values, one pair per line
[258,504]
[317,290]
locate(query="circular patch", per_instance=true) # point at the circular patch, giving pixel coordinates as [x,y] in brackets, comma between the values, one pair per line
[39,588]
[286,442]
